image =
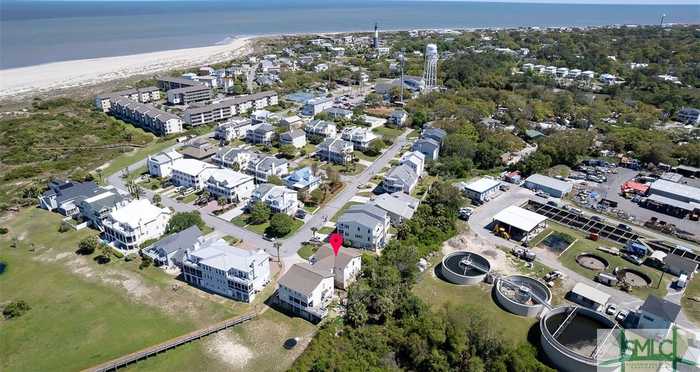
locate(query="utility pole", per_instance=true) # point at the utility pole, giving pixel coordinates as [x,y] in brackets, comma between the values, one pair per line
[277,246]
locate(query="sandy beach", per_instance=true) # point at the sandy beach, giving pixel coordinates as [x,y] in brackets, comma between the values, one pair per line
[22,81]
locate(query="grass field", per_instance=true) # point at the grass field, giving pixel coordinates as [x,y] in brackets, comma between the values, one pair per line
[83,313]
[362,156]
[132,157]
[582,245]
[438,293]
[326,230]
[692,307]
[253,346]
[386,131]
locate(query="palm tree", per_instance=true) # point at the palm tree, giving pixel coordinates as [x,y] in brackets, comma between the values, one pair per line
[277,245]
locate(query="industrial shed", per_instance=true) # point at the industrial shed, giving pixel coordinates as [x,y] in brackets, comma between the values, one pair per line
[677,191]
[518,223]
[552,186]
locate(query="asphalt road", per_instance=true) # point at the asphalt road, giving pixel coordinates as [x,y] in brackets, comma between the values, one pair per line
[291,245]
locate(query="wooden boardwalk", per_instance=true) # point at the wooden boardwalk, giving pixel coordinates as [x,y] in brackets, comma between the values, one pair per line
[124,361]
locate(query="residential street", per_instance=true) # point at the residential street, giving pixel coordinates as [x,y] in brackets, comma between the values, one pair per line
[292,244]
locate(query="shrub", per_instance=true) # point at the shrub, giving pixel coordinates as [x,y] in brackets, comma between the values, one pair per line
[88,245]
[15,309]
[4,230]
[280,225]
[64,227]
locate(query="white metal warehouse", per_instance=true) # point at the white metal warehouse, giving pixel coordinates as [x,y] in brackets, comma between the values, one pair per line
[520,224]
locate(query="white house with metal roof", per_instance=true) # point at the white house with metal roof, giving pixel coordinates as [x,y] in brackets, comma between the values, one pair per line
[234,128]
[360,137]
[364,226]
[335,150]
[161,164]
[129,226]
[229,271]
[169,251]
[321,128]
[345,266]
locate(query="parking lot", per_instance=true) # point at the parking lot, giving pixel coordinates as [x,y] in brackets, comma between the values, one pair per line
[628,210]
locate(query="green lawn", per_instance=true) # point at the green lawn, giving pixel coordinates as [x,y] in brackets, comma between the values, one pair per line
[310,208]
[259,229]
[583,245]
[307,250]
[326,230]
[342,210]
[76,320]
[477,298]
[692,307]
[189,198]
[386,131]
[350,170]
[362,156]
[366,194]
[132,157]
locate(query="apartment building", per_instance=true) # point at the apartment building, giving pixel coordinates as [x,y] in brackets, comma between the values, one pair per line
[230,185]
[167,83]
[161,164]
[143,95]
[229,271]
[234,128]
[229,108]
[187,95]
[145,116]
[279,198]
[335,150]
[129,226]
[364,226]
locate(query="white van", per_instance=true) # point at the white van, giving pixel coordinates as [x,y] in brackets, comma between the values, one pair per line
[682,281]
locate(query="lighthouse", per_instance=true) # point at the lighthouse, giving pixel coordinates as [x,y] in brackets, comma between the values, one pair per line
[375,40]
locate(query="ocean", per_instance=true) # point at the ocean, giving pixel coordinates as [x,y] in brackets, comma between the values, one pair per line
[38,32]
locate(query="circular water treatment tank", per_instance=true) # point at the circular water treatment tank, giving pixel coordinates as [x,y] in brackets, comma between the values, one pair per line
[635,278]
[592,261]
[522,295]
[569,338]
[464,268]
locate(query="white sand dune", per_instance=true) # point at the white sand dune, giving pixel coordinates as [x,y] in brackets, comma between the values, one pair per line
[32,79]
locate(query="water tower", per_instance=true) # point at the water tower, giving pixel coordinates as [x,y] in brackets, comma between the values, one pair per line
[430,70]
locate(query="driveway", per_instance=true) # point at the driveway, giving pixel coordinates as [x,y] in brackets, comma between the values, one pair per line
[289,245]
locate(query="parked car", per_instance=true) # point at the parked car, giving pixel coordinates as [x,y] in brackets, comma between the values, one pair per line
[611,309]
[596,218]
[553,203]
[268,238]
[632,258]
[624,227]
[465,213]
[300,213]
[542,194]
[621,316]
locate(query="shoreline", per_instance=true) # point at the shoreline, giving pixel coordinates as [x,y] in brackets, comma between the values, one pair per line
[20,82]
[23,81]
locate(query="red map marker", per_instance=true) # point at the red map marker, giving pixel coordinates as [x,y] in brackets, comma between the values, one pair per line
[336,241]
